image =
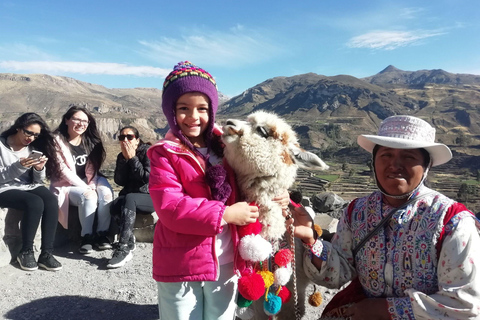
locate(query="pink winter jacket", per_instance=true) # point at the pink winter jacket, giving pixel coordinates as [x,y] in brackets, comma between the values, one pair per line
[188,218]
[68,177]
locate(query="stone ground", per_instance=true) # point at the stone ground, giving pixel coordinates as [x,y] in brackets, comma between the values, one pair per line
[86,289]
[83,289]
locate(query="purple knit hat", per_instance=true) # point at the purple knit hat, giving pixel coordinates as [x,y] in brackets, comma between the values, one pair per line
[185,78]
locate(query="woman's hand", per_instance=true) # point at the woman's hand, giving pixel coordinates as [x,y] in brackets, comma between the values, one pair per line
[374,309]
[37,163]
[283,200]
[41,163]
[240,214]
[89,193]
[128,149]
[303,223]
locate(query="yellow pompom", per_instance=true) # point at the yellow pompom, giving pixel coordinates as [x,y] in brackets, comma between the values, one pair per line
[315,299]
[267,278]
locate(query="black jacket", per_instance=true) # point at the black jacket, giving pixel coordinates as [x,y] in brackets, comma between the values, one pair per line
[133,174]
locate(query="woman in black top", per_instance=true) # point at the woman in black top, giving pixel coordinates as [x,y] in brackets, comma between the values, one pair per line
[132,171]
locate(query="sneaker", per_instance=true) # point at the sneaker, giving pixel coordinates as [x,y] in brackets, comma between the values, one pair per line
[26,259]
[47,261]
[121,255]
[132,243]
[102,242]
[86,245]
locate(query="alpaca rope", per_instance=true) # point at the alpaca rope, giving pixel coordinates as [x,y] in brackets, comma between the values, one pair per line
[294,271]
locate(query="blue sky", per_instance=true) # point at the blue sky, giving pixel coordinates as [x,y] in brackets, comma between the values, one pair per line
[127,44]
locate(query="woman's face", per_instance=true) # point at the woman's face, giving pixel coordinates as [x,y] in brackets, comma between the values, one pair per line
[399,171]
[125,136]
[77,124]
[27,135]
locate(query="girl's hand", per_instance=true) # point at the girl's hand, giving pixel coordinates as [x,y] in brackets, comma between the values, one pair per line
[240,214]
[303,223]
[128,149]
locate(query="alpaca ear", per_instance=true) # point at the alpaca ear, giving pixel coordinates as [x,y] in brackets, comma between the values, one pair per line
[307,160]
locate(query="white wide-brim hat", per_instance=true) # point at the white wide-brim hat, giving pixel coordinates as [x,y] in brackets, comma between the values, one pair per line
[407,132]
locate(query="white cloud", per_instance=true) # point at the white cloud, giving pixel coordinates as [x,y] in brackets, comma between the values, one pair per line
[389,40]
[55,67]
[410,13]
[24,52]
[236,47]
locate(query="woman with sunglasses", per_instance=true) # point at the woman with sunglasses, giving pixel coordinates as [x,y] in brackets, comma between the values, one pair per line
[81,154]
[22,187]
[132,172]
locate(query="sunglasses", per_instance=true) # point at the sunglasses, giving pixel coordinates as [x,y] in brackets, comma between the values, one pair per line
[29,133]
[128,136]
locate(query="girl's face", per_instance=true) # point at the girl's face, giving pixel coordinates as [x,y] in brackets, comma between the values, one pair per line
[399,171]
[77,124]
[127,136]
[192,116]
[27,135]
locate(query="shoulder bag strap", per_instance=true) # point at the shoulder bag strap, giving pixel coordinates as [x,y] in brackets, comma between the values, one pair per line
[383,222]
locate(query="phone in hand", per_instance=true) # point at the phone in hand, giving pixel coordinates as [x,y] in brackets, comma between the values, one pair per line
[35,154]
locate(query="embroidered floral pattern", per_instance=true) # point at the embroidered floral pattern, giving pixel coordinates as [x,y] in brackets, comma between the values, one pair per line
[400,262]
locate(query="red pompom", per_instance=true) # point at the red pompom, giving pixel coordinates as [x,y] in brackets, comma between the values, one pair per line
[283,257]
[251,286]
[252,228]
[285,295]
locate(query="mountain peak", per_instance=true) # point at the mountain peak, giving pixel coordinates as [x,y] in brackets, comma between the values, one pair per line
[390,68]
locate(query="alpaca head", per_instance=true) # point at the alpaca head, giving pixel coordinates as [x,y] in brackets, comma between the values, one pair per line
[265,146]
[265,155]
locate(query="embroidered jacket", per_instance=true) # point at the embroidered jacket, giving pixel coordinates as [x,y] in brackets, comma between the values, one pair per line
[426,269]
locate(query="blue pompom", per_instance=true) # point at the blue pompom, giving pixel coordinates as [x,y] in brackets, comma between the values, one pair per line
[273,305]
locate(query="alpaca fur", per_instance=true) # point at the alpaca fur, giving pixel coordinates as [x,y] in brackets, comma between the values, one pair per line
[265,155]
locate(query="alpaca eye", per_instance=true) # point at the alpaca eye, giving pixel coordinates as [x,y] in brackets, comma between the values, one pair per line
[262,131]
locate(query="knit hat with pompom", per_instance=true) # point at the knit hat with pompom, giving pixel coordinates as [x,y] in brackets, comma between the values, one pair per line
[187,77]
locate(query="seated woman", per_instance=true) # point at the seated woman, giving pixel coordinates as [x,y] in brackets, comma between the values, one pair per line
[22,187]
[132,171]
[411,252]
[80,155]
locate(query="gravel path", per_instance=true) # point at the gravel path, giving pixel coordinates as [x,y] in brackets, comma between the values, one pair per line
[83,289]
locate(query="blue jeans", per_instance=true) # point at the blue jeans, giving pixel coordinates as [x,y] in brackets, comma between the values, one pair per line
[88,206]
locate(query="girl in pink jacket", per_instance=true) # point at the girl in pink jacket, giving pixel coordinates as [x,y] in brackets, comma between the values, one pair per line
[195,239]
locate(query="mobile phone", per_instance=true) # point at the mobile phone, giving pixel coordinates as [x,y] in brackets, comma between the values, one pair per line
[35,154]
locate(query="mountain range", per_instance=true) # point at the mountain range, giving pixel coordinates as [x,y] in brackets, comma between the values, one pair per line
[327,112]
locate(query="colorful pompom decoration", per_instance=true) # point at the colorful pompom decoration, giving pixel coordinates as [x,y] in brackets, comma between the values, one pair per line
[282,275]
[254,248]
[315,298]
[285,295]
[242,302]
[251,286]
[267,277]
[272,304]
[283,257]
[252,228]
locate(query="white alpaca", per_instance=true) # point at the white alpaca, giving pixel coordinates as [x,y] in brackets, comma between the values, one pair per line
[265,155]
